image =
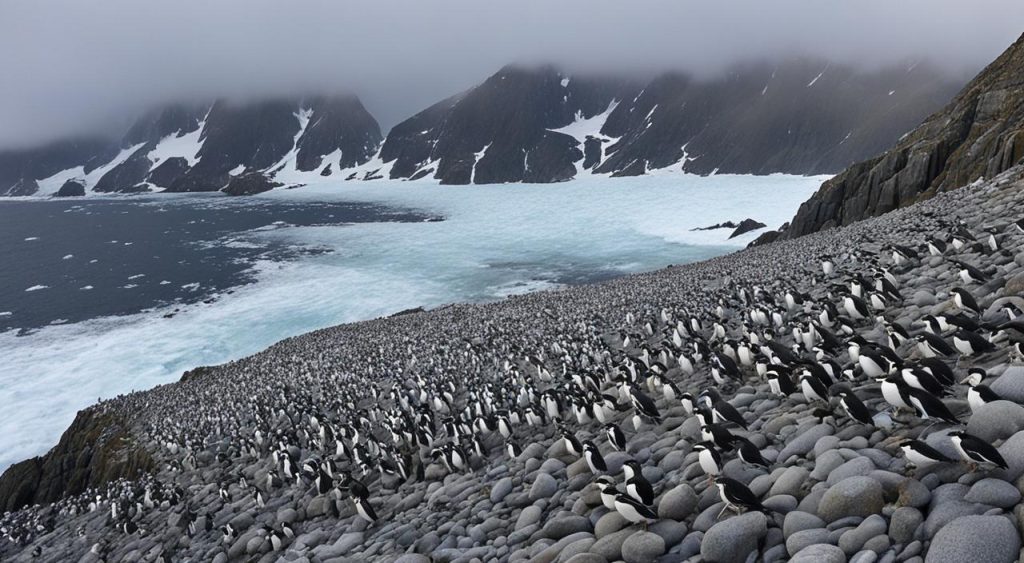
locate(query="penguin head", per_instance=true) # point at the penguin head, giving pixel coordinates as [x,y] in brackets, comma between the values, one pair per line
[974,377]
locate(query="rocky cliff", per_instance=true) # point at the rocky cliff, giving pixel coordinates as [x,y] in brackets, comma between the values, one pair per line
[97,448]
[977,135]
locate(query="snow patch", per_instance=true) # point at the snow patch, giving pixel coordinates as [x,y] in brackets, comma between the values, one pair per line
[178,144]
[37,287]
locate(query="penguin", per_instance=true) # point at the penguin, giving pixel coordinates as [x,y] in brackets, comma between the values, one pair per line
[572,443]
[749,453]
[976,451]
[606,487]
[812,388]
[616,437]
[633,511]
[365,509]
[964,300]
[931,345]
[722,410]
[971,344]
[779,381]
[709,458]
[718,435]
[593,456]
[921,455]
[929,406]
[978,395]
[736,496]
[513,449]
[969,274]
[853,406]
[637,486]
[643,405]
[275,538]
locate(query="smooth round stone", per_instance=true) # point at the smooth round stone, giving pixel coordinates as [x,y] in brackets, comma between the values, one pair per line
[993,539]
[804,538]
[642,547]
[733,539]
[679,503]
[853,496]
[993,492]
[819,553]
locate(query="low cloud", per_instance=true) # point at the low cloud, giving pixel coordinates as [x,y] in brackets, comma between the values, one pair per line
[73,67]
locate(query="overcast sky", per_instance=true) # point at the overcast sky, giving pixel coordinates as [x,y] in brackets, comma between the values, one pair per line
[73,66]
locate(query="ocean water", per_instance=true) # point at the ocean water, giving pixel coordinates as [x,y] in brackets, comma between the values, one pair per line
[349,251]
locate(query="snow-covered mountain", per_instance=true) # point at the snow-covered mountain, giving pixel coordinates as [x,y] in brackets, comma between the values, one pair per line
[197,148]
[538,125]
[523,124]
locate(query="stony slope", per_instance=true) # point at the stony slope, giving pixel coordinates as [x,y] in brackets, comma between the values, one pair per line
[977,135]
[834,488]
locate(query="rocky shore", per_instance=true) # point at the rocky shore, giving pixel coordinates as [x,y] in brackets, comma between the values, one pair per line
[461,422]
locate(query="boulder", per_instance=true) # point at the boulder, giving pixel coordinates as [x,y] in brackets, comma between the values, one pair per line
[732,540]
[993,539]
[853,496]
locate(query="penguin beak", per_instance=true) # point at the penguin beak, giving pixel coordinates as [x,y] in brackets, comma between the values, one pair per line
[966,380]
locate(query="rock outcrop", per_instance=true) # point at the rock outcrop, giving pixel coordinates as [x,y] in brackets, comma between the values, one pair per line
[96,449]
[250,184]
[977,135]
[71,188]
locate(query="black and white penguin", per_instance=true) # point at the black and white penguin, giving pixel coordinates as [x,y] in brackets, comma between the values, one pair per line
[709,457]
[964,300]
[722,410]
[749,453]
[512,449]
[637,486]
[643,405]
[572,443]
[969,274]
[929,406]
[616,437]
[779,381]
[931,345]
[921,455]
[594,459]
[719,435]
[813,389]
[978,395]
[971,344]
[365,509]
[853,406]
[976,451]
[606,487]
[737,496]
[633,511]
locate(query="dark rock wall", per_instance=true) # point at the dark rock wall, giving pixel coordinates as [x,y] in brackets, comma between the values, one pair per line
[979,134]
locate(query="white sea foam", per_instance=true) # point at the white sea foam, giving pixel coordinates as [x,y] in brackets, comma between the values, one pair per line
[496,241]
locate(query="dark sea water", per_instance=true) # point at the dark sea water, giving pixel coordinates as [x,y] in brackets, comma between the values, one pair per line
[64,261]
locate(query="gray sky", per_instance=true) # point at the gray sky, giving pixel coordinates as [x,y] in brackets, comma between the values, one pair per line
[73,66]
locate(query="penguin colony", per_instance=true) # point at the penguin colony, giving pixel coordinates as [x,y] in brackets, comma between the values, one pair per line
[850,395]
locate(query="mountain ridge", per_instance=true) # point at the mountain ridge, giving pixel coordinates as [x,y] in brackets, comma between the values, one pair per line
[533,124]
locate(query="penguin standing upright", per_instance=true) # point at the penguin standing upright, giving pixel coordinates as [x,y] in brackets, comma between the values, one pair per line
[593,456]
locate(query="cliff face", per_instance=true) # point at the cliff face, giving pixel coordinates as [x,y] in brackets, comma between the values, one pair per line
[799,116]
[96,449]
[979,134]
